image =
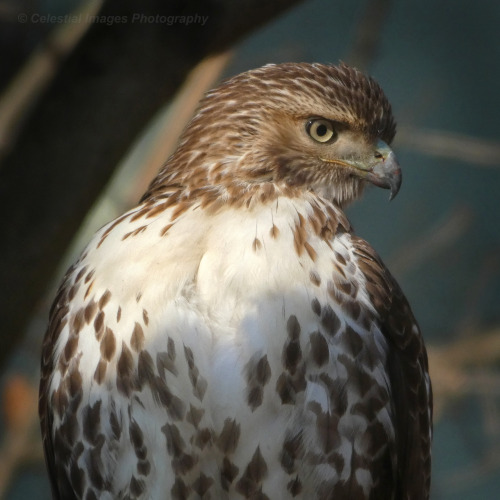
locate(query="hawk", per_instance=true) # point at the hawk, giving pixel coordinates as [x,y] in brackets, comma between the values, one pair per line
[231,337]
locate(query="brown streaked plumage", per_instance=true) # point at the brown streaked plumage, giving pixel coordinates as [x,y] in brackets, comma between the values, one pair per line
[230,337]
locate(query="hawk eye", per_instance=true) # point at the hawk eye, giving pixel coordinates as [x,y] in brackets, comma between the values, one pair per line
[321,130]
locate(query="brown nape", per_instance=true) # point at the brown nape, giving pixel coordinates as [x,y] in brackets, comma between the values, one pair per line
[236,117]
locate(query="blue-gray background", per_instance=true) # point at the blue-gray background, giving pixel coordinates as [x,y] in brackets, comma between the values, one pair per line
[439,63]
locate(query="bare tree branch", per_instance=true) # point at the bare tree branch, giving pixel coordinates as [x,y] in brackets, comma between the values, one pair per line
[368,33]
[440,236]
[451,145]
[40,69]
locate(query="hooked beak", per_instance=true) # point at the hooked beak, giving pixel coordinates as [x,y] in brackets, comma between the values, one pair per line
[385,171]
[380,168]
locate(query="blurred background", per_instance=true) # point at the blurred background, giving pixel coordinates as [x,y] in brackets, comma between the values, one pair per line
[94,94]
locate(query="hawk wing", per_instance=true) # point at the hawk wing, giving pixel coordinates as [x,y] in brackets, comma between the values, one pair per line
[408,375]
[57,320]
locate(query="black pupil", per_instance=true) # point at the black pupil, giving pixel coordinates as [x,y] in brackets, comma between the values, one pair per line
[321,130]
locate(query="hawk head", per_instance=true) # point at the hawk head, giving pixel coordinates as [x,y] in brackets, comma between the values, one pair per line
[308,126]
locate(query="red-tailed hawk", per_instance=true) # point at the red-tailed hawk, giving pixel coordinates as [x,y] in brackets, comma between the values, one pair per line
[231,337]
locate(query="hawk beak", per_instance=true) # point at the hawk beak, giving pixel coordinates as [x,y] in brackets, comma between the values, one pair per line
[383,169]
[380,167]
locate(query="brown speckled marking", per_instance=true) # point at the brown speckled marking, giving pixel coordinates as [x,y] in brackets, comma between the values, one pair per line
[89,289]
[96,466]
[125,380]
[316,306]
[68,353]
[256,245]
[141,452]
[90,311]
[145,317]
[292,353]
[135,232]
[118,314]
[146,370]
[292,380]
[194,415]
[156,210]
[91,422]
[137,339]
[338,270]
[228,473]
[73,291]
[137,486]
[319,349]
[352,308]
[250,483]
[204,437]
[175,407]
[99,325]
[164,231]
[229,437]
[89,276]
[310,251]
[78,477]
[330,321]
[294,486]
[202,484]
[362,380]
[258,373]
[293,327]
[180,208]
[324,222]
[104,299]
[291,452]
[100,371]
[315,278]
[108,344]
[110,228]
[326,427]
[179,490]
[80,274]
[182,462]
[354,342]
[299,235]
[274,231]
[340,258]
[346,287]
[78,321]
[166,360]
[335,293]
[139,214]
[198,382]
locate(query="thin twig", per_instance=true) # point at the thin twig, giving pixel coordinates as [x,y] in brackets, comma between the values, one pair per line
[368,33]
[37,73]
[451,145]
[437,238]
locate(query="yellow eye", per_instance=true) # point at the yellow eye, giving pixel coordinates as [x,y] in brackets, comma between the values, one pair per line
[321,130]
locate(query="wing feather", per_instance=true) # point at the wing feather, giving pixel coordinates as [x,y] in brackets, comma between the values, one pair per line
[408,375]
